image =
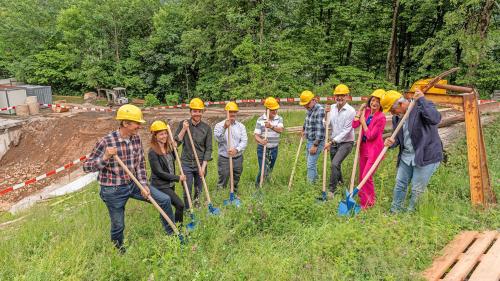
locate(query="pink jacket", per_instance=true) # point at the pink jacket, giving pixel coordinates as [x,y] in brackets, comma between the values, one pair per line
[374,139]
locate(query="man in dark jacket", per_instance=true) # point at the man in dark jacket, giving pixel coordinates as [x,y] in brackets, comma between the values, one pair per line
[420,147]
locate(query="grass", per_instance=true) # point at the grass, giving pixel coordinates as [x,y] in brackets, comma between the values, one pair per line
[279,236]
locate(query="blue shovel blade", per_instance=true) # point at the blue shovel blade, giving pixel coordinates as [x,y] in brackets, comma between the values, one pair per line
[182,239]
[190,226]
[236,202]
[349,205]
[214,211]
[323,197]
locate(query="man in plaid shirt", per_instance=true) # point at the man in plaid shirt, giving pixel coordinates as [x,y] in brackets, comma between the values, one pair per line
[116,186]
[314,131]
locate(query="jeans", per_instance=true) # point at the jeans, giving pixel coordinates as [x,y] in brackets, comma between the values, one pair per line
[176,202]
[312,161]
[192,176]
[419,177]
[338,152]
[271,155]
[115,198]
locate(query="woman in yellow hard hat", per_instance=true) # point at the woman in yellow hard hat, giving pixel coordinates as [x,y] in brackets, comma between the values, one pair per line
[162,162]
[116,185]
[202,139]
[371,118]
[267,133]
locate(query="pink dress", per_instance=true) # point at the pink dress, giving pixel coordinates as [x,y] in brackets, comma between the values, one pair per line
[370,148]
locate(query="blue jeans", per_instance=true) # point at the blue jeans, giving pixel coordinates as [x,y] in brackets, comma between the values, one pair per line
[116,197]
[419,177]
[271,155]
[312,161]
[192,176]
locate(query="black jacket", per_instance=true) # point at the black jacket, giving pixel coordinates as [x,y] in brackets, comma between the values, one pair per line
[161,176]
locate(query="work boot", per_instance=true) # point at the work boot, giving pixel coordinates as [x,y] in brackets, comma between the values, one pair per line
[119,245]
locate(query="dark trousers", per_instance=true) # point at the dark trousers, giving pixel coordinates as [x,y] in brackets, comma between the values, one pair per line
[271,155]
[338,153]
[192,177]
[116,198]
[176,202]
[223,169]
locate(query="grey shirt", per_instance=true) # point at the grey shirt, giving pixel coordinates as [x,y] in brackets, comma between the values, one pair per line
[202,138]
[408,153]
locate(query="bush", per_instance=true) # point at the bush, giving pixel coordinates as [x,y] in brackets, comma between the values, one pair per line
[172,99]
[151,100]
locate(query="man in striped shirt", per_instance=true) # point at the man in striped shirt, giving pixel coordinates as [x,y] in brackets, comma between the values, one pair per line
[116,186]
[274,127]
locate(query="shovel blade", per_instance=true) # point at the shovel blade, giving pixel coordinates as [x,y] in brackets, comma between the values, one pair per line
[182,239]
[233,200]
[323,197]
[214,211]
[349,206]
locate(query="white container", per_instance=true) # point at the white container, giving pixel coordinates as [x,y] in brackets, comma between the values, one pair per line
[11,97]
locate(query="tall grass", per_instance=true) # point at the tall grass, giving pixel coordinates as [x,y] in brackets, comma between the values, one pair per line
[278,235]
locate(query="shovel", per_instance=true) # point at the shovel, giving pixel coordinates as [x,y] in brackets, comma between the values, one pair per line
[349,207]
[325,160]
[295,163]
[150,198]
[264,156]
[233,200]
[349,202]
[211,208]
[190,226]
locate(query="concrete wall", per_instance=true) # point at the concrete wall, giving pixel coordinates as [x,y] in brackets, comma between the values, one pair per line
[9,135]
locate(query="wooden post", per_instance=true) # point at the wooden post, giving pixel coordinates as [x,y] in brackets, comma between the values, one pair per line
[480,188]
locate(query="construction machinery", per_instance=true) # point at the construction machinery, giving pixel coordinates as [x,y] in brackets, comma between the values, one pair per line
[116,96]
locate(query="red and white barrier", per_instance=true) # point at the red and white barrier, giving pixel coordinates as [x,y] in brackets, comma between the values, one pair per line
[41,177]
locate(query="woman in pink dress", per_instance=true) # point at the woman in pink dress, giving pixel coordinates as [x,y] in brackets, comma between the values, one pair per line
[372,120]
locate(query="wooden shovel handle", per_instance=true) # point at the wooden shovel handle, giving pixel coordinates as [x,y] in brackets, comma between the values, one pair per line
[199,165]
[356,157]
[264,153]
[295,163]
[325,155]
[186,189]
[231,174]
[150,198]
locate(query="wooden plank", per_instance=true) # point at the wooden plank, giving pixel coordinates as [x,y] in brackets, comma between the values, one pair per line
[473,149]
[450,255]
[489,268]
[462,268]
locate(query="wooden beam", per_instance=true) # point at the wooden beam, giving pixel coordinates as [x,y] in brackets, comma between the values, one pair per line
[454,88]
[441,99]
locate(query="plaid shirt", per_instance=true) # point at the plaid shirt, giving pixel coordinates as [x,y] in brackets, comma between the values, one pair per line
[313,125]
[130,152]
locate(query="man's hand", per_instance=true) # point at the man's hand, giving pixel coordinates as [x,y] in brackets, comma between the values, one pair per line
[227,124]
[268,125]
[203,168]
[182,177]
[418,94]
[313,150]
[146,192]
[110,152]
[185,125]
[233,152]
[327,146]
[302,133]
[263,142]
[389,141]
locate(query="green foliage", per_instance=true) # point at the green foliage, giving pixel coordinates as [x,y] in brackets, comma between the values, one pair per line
[238,49]
[151,100]
[172,99]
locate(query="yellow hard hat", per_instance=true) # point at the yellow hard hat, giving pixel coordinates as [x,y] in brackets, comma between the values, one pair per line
[341,89]
[158,126]
[231,106]
[378,93]
[130,112]
[306,97]
[423,82]
[196,103]
[389,99]
[271,103]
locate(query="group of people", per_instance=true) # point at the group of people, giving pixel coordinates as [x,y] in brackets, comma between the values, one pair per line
[420,153]
[421,149]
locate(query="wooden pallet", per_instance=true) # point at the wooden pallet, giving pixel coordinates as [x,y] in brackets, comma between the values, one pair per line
[470,256]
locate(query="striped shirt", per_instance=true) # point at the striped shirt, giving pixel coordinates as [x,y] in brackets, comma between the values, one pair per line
[341,122]
[313,125]
[273,137]
[111,173]
[239,138]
